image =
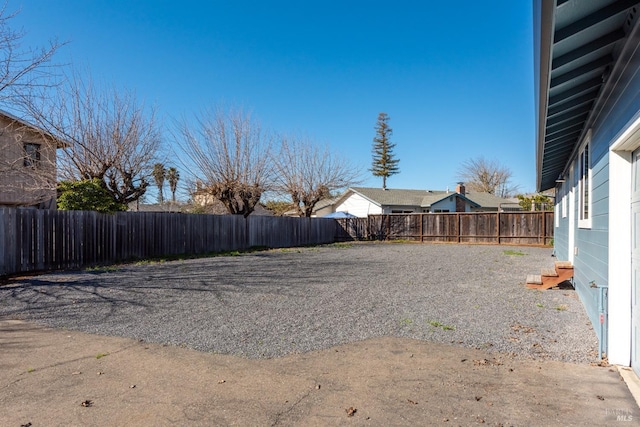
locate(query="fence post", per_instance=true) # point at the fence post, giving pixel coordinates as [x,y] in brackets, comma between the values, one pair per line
[458,225]
[388,236]
[544,227]
[498,226]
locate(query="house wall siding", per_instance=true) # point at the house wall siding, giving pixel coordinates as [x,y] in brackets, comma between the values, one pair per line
[561,232]
[404,208]
[24,186]
[359,206]
[591,262]
[446,204]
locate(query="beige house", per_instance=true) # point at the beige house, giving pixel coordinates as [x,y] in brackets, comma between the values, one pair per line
[27,164]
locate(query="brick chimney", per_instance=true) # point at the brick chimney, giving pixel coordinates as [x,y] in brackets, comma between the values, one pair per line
[460,188]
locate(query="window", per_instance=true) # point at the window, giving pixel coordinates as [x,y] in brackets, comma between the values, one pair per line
[441,210]
[584,187]
[31,154]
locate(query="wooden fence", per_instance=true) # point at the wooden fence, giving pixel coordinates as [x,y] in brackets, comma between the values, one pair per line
[511,228]
[37,240]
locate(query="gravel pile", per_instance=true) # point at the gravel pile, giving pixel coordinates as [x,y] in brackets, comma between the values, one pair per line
[273,303]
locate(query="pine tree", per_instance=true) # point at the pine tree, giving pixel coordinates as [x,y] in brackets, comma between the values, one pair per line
[384,164]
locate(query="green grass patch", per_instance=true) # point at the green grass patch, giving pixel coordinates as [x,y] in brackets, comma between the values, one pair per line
[30,370]
[444,327]
[406,321]
[101,355]
[539,305]
[340,245]
[102,269]
[150,261]
[513,253]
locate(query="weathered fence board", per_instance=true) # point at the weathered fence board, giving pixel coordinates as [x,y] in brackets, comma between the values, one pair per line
[35,240]
[511,228]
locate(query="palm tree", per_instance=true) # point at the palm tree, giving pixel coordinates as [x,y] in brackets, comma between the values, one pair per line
[159,173]
[173,176]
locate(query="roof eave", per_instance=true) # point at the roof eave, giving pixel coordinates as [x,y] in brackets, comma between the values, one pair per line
[543,12]
[60,143]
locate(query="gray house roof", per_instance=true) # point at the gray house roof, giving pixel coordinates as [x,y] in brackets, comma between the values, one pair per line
[425,198]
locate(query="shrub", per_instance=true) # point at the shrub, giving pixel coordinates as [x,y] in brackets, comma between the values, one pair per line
[86,195]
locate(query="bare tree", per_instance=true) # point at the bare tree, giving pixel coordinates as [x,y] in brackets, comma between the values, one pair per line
[22,71]
[488,176]
[27,155]
[110,135]
[308,173]
[229,155]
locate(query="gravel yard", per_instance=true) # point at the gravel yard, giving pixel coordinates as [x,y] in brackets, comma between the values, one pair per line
[272,303]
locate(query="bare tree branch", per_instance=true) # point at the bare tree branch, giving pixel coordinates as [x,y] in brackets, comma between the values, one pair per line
[308,173]
[487,176]
[230,157]
[23,71]
[111,136]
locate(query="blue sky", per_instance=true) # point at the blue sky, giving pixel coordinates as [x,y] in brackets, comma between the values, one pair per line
[456,78]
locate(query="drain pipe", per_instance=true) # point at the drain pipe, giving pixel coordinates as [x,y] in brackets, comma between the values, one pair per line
[603,315]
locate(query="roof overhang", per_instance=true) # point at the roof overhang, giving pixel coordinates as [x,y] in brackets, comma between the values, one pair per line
[60,143]
[576,43]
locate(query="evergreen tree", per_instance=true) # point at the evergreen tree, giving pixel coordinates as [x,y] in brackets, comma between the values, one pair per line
[384,164]
[159,173]
[173,176]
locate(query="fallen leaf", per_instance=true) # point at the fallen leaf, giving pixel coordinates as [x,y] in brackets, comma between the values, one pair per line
[478,398]
[351,411]
[412,402]
[600,397]
[86,403]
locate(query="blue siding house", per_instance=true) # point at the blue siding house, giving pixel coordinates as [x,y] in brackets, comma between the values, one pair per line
[587,66]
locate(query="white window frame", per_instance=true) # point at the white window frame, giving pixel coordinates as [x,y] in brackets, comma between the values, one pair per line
[585,184]
[565,190]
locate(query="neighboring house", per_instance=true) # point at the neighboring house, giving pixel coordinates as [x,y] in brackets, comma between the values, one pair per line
[27,164]
[362,201]
[587,66]
[210,205]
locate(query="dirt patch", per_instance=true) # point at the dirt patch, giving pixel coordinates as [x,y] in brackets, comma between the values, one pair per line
[68,378]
